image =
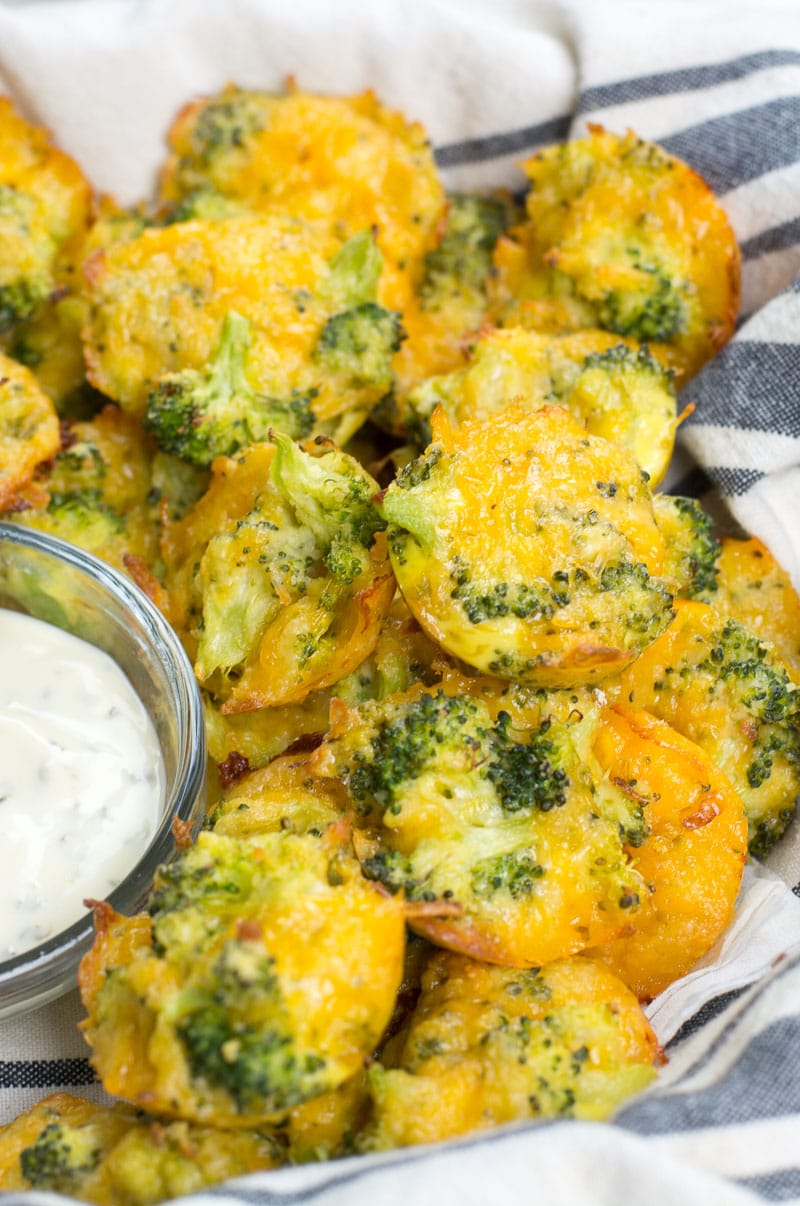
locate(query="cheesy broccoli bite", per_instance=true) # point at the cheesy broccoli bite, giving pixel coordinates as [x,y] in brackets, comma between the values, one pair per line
[346,161]
[44,205]
[720,686]
[97,491]
[115,1156]
[528,548]
[263,976]
[276,581]
[620,235]
[29,431]
[242,326]
[618,390]
[489,1045]
[514,832]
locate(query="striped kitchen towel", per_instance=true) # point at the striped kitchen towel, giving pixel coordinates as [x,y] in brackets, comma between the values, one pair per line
[717,83]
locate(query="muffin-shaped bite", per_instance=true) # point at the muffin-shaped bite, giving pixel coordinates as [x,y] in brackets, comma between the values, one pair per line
[528,548]
[264,976]
[276,582]
[620,235]
[242,325]
[509,838]
[346,161]
[44,206]
[114,1156]
[692,857]
[718,684]
[617,389]
[488,1045]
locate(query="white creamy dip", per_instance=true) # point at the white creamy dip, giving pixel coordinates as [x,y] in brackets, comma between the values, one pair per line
[81,779]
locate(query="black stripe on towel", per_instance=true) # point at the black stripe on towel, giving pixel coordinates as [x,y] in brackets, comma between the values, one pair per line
[687,79]
[510,142]
[45,1073]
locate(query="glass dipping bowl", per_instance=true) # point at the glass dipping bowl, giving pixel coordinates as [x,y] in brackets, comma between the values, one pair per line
[60,584]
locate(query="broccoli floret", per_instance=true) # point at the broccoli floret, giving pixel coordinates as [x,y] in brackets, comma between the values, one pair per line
[460,265]
[256,1067]
[515,874]
[655,310]
[527,775]
[740,661]
[333,498]
[20,300]
[61,1156]
[199,415]
[621,359]
[406,741]
[359,344]
[226,123]
[203,204]
[355,271]
[692,549]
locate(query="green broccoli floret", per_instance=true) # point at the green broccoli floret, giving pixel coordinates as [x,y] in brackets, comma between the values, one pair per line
[20,300]
[741,662]
[527,775]
[61,1156]
[656,310]
[622,359]
[459,267]
[410,739]
[406,740]
[332,497]
[201,414]
[515,874]
[204,204]
[226,123]
[692,549]
[354,273]
[257,1067]
[359,344]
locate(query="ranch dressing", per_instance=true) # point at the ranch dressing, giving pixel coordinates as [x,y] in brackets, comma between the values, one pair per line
[81,779]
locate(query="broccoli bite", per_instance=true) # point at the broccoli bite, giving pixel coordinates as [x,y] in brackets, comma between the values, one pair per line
[714,681]
[242,324]
[116,1157]
[97,492]
[29,431]
[692,549]
[692,856]
[489,1045]
[528,548]
[211,1010]
[620,235]
[345,161]
[618,390]
[509,830]
[277,583]
[44,207]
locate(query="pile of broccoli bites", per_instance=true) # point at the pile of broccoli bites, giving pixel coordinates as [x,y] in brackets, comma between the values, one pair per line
[493,725]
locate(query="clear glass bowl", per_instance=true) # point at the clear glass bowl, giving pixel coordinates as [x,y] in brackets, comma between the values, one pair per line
[56,582]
